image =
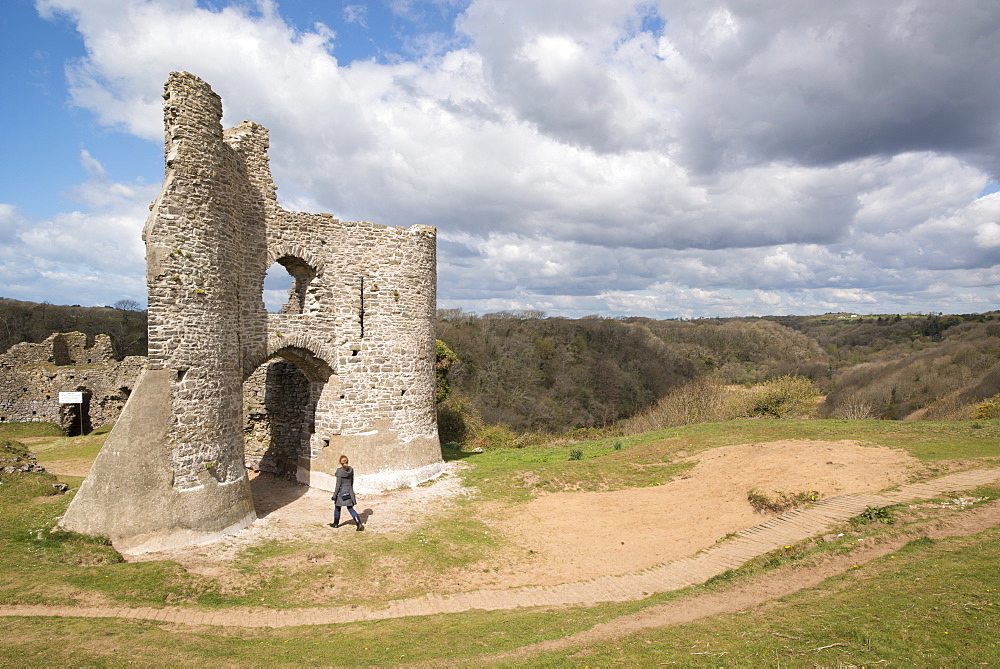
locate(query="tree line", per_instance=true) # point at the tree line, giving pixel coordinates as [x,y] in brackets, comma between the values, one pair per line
[125,322]
[521,372]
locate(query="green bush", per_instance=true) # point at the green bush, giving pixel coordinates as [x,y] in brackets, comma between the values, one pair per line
[456,419]
[874,514]
[784,397]
[444,359]
[701,401]
[490,437]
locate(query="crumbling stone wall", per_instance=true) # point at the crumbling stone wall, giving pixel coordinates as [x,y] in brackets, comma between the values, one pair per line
[33,375]
[358,327]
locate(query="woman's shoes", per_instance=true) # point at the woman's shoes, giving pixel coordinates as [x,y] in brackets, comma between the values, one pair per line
[335,523]
[360,526]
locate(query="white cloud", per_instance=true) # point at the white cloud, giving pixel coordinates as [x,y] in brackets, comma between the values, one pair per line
[356,14]
[790,157]
[85,257]
[988,235]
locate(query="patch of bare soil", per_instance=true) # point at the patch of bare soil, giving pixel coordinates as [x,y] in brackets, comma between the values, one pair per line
[70,467]
[582,535]
[559,537]
[290,512]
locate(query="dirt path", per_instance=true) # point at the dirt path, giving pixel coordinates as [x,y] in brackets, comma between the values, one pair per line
[788,528]
[767,587]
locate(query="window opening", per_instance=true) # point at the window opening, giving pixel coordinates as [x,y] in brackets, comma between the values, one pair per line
[285,285]
[278,283]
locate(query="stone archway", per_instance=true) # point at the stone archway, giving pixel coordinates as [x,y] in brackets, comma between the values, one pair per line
[280,399]
[74,419]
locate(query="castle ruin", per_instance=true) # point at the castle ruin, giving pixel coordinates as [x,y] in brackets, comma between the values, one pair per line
[346,367]
[33,375]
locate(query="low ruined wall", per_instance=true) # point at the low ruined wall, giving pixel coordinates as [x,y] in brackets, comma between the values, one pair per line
[33,375]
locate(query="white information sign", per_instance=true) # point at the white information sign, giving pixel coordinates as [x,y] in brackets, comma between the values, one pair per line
[71,398]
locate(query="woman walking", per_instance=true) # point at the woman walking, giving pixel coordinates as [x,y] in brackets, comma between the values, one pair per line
[343,494]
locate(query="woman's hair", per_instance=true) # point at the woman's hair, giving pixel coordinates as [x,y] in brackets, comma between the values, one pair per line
[343,457]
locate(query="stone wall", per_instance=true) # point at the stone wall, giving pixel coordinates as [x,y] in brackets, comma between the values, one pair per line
[33,375]
[358,328]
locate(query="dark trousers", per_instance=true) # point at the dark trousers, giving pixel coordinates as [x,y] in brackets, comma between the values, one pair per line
[336,513]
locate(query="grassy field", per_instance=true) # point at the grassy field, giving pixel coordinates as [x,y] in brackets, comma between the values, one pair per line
[652,458]
[930,603]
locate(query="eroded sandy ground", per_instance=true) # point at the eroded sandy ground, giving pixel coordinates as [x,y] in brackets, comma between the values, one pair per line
[563,537]
[587,534]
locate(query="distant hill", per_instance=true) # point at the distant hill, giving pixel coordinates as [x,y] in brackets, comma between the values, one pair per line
[553,374]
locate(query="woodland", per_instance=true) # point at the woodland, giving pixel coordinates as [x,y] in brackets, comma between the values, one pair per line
[514,378]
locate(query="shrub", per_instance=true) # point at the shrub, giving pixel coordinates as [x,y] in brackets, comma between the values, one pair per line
[856,407]
[780,501]
[784,397]
[874,514]
[988,410]
[491,437]
[457,420]
[701,401]
[444,359]
[576,454]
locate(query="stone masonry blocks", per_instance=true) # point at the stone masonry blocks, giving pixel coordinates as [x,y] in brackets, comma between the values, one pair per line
[357,335]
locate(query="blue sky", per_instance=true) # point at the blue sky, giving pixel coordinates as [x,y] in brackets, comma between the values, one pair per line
[658,158]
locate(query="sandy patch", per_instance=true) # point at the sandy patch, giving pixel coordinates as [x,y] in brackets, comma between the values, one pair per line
[582,535]
[563,537]
[71,467]
[289,511]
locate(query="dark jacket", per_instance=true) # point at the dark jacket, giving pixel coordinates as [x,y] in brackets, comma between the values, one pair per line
[345,486]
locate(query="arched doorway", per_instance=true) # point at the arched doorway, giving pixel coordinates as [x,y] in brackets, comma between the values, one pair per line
[74,419]
[279,410]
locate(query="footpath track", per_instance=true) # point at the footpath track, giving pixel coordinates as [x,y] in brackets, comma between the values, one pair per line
[782,531]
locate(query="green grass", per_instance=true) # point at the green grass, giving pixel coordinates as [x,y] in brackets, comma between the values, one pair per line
[31,557]
[932,603]
[517,474]
[37,566]
[424,554]
[49,444]
[28,430]
[69,448]
[42,642]
[927,440]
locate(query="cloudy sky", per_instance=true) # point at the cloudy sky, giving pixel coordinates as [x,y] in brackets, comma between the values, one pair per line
[664,158]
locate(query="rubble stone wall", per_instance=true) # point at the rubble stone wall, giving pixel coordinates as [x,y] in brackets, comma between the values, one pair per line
[33,375]
[358,326]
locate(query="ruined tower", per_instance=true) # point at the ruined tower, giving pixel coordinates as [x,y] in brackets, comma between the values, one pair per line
[349,361]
